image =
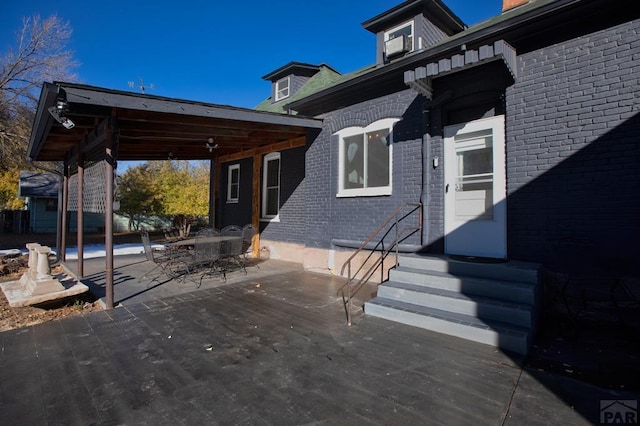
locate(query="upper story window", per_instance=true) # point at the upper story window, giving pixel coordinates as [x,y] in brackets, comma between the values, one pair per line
[233,184]
[283,88]
[271,186]
[399,39]
[365,158]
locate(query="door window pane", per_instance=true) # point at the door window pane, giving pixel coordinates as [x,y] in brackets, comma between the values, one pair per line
[474,181]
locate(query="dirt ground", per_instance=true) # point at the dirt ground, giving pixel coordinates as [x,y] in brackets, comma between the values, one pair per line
[12,318]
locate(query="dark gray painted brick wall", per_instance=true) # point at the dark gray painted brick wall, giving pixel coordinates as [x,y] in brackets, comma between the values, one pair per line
[292,225]
[354,218]
[235,213]
[573,129]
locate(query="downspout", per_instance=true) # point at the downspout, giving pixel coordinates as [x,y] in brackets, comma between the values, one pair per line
[58,257]
[426,178]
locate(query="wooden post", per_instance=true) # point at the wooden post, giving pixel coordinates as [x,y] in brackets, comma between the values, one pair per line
[110,167]
[216,190]
[65,208]
[80,216]
[255,213]
[212,193]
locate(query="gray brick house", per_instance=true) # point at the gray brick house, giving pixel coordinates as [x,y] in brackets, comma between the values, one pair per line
[519,136]
[558,80]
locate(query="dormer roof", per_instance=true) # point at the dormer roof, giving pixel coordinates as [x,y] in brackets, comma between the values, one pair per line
[296,68]
[438,13]
[322,79]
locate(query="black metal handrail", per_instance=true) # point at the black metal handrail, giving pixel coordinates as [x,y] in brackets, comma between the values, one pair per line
[352,286]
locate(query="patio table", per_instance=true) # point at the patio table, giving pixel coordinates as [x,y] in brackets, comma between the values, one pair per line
[191,242]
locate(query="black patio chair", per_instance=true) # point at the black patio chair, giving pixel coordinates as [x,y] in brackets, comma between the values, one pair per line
[165,261]
[232,247]
[206,256]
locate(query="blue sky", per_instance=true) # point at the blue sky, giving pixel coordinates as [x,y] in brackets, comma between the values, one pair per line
[214,50]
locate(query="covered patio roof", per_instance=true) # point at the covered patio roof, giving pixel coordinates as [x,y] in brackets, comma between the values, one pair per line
[152,127]
[79,125]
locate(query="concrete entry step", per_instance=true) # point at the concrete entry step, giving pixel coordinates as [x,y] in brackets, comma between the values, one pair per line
[514,291]
[477,306]
[495,303]
[506,271]
[494,333]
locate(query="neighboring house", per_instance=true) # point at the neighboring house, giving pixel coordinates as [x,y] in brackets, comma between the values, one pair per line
[41,193]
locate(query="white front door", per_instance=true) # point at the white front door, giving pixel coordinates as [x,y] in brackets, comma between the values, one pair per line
[475,188]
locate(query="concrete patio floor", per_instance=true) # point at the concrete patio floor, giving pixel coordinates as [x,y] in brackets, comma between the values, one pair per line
[268,347]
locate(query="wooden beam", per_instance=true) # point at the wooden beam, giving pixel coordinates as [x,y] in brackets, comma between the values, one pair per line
[96,138]
[280,146]
[152,117]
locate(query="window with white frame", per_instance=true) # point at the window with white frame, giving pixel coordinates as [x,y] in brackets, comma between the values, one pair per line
[271,186]
[233,183]
[365,158]
[282,88]
[405,30]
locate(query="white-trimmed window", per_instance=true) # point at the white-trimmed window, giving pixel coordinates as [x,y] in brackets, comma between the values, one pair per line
[233,183]
[271,186]
[282,88]
[365,158]
[404,30]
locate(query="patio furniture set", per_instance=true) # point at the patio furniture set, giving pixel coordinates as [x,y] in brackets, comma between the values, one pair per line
[211,252]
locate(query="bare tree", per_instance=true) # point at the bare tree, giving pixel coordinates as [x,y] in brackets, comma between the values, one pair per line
[39,54]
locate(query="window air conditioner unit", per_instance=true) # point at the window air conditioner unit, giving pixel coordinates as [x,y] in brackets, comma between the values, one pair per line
[396,46]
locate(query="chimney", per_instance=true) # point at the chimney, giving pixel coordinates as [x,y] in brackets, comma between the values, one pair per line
[510,4]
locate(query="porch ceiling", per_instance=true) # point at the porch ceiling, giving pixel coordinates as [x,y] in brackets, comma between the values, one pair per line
[156,128]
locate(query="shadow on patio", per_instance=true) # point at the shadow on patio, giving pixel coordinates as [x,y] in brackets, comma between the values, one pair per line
[269,347]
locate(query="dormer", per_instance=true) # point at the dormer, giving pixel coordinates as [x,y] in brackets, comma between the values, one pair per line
[288,79]
[411,26]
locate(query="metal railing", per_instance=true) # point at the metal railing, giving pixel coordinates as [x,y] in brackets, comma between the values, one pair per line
[353,285]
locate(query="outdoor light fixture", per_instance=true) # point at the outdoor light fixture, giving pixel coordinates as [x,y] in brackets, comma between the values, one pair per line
[58,110]
[210,145]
